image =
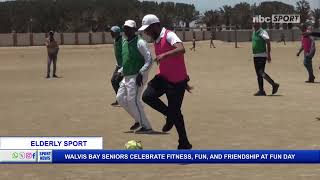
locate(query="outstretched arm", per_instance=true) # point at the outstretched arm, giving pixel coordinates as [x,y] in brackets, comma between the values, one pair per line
[179,49]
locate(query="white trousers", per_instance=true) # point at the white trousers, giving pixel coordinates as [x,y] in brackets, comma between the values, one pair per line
[129,97]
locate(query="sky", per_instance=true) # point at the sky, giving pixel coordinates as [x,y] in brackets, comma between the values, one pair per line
[203,5]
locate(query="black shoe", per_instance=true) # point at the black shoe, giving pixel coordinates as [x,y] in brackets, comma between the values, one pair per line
[185,146]
[135,126]
[115,104]
[143,130]
[310,81]
[55,76]
[260,93]
[168,126]
[275,88]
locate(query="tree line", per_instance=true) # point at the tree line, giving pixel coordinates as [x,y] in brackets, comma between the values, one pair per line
[99,15]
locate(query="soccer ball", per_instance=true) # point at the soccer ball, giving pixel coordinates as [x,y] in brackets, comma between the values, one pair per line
[133,145]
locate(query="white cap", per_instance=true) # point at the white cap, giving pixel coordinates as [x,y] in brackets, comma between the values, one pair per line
[148,20]
[130,23]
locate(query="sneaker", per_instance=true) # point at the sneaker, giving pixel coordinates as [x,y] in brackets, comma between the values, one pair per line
[135,126]
[115,104]
[143,130]
[168,126]
[260,93]
[275,88]
[185,146]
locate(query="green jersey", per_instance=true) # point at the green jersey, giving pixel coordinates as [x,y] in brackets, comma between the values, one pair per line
[259,42]
[118,51]
[133,61]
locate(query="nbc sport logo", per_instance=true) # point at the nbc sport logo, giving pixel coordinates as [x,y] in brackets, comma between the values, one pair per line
[277,18]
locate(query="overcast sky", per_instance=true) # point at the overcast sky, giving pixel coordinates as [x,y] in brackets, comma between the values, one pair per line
[203,5]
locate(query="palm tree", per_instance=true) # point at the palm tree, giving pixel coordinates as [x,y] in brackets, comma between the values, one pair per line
[316,15]
[226,11]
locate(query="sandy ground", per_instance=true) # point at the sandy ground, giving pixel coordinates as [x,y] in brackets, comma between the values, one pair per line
[220,114]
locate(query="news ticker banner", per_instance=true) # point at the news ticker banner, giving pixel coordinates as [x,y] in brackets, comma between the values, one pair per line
[161,156]
[38,143]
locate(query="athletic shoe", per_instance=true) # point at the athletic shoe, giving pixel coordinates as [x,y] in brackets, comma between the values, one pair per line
[275,88]
[143,130]
[168,126]
[185,146]
[135,126]
[115,104]
[260,93]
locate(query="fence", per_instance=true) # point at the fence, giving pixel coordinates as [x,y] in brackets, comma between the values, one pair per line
[233,35]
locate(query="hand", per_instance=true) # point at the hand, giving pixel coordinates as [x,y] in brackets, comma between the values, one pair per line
[119,76]
[159,58]
[139,80]
[269,58]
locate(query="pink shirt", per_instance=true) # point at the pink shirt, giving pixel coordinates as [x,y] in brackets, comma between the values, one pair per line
[173,68]
[306,43]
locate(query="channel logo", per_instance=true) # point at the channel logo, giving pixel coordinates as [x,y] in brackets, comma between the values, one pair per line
[23,156]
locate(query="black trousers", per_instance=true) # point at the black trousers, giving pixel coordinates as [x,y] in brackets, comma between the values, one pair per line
[116,79]
[52,59]
[260,64]
[175,94]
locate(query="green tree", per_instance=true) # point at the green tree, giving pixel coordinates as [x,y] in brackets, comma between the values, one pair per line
[303,8]
[316,15]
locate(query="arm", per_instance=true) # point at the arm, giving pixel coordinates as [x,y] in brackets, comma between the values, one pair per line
[312,50]
[174,41]
[300,50]
[46,42]
[179,49]
[264,34]
[268,50]
[315,34]
[145,52]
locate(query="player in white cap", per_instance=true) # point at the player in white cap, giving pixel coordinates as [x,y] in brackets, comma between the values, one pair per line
[136,62]
[171,79]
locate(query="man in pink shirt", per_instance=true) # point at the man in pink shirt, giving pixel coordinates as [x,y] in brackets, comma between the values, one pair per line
[171,78]
[308,46]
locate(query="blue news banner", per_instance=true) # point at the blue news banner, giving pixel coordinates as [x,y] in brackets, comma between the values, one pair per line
[187,157]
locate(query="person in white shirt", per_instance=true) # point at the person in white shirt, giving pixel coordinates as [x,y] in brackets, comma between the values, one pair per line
[136,62]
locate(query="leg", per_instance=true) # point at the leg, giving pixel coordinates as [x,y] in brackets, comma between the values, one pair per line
[175,95]
[308,65]
[135,104]
[122,98]
[55,58]
[115,80]
[49,66]
[155,89]
[259,64]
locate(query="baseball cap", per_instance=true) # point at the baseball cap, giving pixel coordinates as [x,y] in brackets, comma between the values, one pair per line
[148,20]
[130,23]
[115,29]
